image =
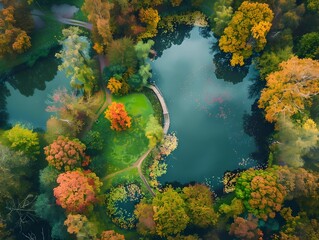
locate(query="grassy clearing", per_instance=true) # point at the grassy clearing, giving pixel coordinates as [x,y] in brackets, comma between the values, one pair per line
[124,148]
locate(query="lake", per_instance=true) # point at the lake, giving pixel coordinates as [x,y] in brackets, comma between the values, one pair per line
[206,113]
[29,91]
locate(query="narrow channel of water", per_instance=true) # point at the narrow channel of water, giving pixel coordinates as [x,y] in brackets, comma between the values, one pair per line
[207,113]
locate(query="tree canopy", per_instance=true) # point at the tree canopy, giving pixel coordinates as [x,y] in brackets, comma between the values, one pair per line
[289,90]
[246,31]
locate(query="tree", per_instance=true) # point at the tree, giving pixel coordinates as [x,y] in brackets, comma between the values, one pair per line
[313,5]
[261,192]
[153,131]
[13,39]
[77,191]
[246,31]
[136,82]
[169,213]
[47,178]
[222,14]
[150,17]
[24,140]
[143,49]
[13,166]
[145,214]
[145,72]
[66,154]
[290,89]
[99,15]
[295,141]
[122,52]
[72,113]
[76,60]
[114,85]
[269,61]
[298,182]
[78,224]
[111,235]
[246,228]
[199,205]
[118,116]
[308,46]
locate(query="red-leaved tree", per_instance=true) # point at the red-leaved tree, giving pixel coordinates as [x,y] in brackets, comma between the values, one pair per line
[77,191]
[66,154]
[118,117]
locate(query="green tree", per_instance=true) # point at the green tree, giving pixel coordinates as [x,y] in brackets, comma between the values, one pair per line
[145,72]
[143,49]
[295,141]
[122,52]
[308,46]
[199,205]
[313,5]
[169,213]
[47,178]
[222,14]
[153,131]
[269,61]
[24,140]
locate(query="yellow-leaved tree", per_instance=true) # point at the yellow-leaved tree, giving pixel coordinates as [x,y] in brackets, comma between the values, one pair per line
[289,90]
[246,32]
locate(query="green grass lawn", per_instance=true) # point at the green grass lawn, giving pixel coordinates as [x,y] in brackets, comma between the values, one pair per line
[123,148]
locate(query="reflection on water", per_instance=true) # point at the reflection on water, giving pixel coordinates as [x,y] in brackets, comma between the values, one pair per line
[206,112]
[29,89]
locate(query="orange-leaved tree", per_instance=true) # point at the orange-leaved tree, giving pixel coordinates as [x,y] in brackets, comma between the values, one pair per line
[77,191]
[246,32]
[261,192]
[118,116]
[66,154]
[289,90]
[114,85]
[12,38]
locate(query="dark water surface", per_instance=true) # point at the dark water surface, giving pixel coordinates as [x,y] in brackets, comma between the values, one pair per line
[206,112]
[29,91]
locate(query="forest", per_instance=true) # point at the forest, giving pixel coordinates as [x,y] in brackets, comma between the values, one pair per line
[92,163]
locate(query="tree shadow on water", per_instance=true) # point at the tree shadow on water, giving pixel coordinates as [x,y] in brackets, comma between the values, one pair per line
[27,79]
[223,69]
[256,126]
[165,40]
[4,93]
